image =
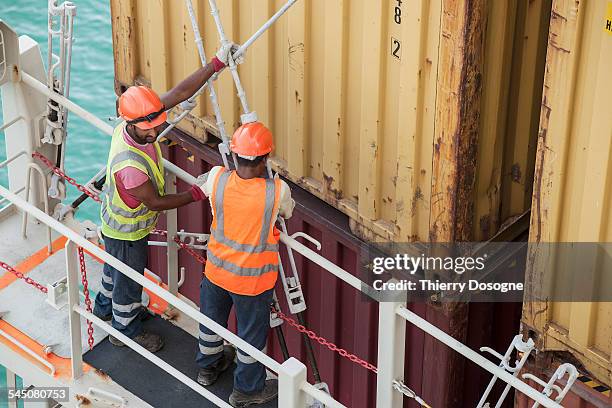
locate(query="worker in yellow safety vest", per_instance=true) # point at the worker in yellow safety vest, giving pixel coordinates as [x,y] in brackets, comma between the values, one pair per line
[242,262]
[133,196]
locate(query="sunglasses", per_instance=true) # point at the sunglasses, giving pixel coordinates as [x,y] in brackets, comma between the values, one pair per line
[148,118]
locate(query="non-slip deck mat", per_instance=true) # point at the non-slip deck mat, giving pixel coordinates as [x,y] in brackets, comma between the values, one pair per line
[152,384]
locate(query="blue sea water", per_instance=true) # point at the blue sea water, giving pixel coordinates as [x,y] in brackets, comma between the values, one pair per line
[92,84]
[91,87]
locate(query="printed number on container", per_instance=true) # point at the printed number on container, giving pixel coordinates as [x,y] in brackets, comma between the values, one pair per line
[397,17]
[396,48]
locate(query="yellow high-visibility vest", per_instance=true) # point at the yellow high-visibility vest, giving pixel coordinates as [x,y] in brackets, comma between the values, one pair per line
[119,221]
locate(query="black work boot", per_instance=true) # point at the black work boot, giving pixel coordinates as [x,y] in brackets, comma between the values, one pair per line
[151,342]
[208,376]
[239,399]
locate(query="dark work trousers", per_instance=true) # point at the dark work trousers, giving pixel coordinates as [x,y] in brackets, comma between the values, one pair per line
[253,314]
[120,295]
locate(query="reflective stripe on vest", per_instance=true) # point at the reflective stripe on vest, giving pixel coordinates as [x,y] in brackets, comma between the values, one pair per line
[219,232]
[241,267]
[119,221]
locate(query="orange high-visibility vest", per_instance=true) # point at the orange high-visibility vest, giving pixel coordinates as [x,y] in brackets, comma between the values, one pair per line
[242,254]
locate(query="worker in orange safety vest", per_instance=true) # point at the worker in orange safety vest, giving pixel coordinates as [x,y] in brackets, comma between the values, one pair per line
[242,262]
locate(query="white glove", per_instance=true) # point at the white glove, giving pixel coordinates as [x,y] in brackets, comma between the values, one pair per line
[226,50]
[201,180]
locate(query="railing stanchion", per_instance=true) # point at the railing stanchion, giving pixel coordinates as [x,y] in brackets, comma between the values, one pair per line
[391,349]
[290,379]
[76,348]
[171,226]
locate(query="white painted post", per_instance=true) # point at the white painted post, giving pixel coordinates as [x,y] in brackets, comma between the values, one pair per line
[11,382]
[76,350]
[391,348]
[290,379]
[171,226]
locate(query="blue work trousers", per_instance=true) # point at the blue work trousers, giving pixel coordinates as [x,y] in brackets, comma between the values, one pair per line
[120,295]
[253,315]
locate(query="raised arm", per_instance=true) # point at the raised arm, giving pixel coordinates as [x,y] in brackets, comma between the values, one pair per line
[188,86]
[195,81]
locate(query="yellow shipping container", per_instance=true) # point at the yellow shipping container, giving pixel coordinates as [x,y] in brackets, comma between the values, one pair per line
[415,118]
[572,200]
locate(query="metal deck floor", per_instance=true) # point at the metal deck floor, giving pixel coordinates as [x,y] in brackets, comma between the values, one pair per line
[22,305]
[150,383]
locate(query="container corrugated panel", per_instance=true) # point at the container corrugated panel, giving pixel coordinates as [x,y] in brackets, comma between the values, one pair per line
[337,311]
[573,184]
[410,117]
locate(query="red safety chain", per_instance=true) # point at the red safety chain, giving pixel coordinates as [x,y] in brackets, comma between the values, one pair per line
[190,251]
[90,329]
[325,342]
[20,275]
[182,245]
[63,175]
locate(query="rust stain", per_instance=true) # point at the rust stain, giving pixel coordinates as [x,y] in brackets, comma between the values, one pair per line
[101,374]
[539,174]
[82,399]
[554,14]
[418,195]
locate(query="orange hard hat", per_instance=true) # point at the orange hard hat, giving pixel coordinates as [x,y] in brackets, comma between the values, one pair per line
[252,139]
[141,106]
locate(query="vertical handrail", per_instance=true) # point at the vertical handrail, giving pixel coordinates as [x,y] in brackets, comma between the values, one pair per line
[24,221]
[291,377]
[391,349]
[171,227]
[74,319]
[11,382]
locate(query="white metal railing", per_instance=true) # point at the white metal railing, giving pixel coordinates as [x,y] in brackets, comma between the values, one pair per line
[291,372]
[3,63]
